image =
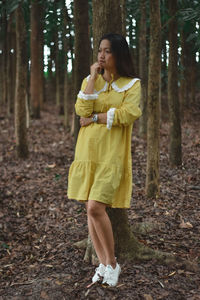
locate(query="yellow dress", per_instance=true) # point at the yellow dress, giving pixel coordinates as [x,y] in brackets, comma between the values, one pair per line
[102,167]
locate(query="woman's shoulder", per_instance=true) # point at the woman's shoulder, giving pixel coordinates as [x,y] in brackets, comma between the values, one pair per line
[123,84]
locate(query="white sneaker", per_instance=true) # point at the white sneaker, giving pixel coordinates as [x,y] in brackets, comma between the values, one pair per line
[99,272]
[111,275]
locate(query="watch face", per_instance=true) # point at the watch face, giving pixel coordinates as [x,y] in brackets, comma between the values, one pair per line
[95,118]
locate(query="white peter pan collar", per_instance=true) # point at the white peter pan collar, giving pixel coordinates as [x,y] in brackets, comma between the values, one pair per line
[115,86]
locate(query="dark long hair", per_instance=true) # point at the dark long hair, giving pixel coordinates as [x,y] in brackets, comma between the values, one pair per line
[121,53]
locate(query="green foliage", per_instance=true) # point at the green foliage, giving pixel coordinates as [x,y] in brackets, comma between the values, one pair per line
[189,16]
[191,13]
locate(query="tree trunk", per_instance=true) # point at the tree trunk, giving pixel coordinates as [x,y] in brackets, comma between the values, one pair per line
[21,86]
[123,14]
[175,156]
[58,102]
[9,86]
[153,123]
[164,66]
[41,54]
[66,76]
[35,84]
[107,17]
[143,70]
[82,50]
[1,80]
[4,29]
[193,71]
[183,72]
[13,69]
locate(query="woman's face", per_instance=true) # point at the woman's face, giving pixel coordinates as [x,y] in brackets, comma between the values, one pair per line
[106,59]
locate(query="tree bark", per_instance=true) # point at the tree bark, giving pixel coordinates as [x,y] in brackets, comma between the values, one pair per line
[175,152]
[193,72]
[4,29]
[183,72]
[82,50]
[35,84]
[9,84]
[143,72]
[123,14]
[164,65]
[107,17]
[21,86]
[66,76]
[41,54]
[153,123]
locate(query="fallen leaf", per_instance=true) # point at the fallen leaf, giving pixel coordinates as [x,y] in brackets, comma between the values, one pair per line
[148,297]
[58,282]
[185,225]
[49,266]
[51,166]
[171,274]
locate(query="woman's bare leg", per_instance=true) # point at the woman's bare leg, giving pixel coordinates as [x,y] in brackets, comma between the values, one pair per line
[101,233]
[95,240]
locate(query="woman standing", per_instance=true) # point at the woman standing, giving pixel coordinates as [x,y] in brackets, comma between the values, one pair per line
[101,173]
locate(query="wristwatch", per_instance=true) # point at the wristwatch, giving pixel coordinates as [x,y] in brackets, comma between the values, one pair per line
[95,118]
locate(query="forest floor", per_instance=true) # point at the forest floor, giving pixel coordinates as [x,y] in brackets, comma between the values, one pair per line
[39,225]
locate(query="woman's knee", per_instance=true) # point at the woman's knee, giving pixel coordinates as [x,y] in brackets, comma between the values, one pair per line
[95,209]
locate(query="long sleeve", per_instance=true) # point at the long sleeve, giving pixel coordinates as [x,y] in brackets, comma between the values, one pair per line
[84,106]
[129,110]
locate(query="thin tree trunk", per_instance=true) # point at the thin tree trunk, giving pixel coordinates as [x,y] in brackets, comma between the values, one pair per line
[11,65]
[13,69]
[183,72]
[143,70]
[175,155]
[4,27]
[57,72]
[8,66]
[82,50]
[123,14]
[50,73]
[66,76]
[193,75]
[35,90]
[21,86]
[41,54]
[164,65]
[1,80]
[153,123]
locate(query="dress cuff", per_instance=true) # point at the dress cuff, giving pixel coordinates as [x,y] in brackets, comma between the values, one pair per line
[84,96]
[110,117]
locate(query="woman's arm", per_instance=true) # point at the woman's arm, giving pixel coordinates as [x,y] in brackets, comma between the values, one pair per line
[102,119]
[86,97]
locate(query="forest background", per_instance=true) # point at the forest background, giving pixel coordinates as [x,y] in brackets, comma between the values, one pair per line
[46,48]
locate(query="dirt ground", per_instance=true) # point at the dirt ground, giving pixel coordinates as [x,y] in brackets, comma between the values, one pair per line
[38,224]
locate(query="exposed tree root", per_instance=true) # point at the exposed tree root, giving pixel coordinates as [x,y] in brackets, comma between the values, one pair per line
[128,248]
[138,252]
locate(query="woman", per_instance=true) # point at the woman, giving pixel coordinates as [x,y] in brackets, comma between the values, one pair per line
[101,174]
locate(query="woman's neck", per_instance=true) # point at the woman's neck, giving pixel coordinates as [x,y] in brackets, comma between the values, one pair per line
[108,76]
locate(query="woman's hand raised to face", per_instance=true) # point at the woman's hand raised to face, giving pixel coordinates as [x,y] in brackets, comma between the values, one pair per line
[95,69]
